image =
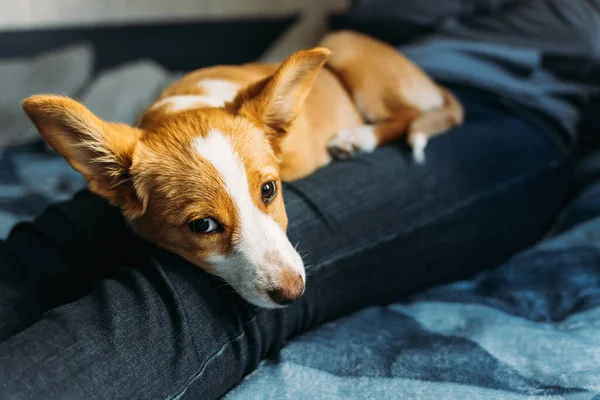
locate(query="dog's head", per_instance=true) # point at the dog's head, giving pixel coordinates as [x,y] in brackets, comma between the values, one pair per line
[203,183]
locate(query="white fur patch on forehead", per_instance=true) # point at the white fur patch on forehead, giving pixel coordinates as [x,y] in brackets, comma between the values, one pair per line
[217,149]
[187,102]
[219,89]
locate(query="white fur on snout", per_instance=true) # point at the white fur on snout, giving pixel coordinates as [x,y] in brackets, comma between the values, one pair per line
[360,139]
[258,234]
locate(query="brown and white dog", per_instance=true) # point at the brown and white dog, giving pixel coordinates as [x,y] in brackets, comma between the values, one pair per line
[201,173]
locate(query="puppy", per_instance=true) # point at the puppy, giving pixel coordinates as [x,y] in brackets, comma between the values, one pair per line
[200,174]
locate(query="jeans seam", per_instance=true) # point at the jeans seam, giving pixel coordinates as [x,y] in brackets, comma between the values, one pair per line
[446,212]
[198,374]
[185,311]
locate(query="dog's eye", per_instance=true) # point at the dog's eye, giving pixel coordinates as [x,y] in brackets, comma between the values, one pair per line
[268,191]
[204,225]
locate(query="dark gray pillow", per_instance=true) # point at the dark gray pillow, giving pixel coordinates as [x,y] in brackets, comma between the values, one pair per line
[563,26]
[421,12]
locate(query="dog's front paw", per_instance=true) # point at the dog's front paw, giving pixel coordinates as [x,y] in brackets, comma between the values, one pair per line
[348,142]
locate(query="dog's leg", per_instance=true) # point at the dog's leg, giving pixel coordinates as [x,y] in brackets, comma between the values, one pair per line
[419,128]
[366,138]
[434,123]
[422,130]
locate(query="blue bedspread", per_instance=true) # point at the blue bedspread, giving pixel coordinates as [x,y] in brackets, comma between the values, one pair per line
[529,329]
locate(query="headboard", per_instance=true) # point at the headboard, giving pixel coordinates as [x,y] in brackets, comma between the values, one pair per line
[178,46]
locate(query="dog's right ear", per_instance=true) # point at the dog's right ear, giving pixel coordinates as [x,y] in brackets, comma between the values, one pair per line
[101,151]
[277,100]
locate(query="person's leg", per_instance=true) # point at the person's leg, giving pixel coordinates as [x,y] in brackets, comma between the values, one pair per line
[56,259]
[375,228]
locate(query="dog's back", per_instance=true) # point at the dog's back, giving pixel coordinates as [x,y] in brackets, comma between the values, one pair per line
[365,81]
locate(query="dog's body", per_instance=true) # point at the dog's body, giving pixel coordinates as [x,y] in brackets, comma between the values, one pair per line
[327,109]
[200,174]
[364,82]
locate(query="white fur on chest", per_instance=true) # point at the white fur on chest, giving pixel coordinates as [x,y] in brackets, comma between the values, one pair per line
[219,89]
[217,92]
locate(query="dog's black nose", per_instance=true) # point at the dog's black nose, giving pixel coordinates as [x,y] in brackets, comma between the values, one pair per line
[291,291]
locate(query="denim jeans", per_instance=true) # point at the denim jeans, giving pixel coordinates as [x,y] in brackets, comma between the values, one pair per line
[88,311]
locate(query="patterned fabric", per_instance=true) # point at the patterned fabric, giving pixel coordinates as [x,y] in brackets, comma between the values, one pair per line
[527,329]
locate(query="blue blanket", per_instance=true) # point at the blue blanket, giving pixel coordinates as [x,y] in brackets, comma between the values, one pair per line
[527,329]
[31,178]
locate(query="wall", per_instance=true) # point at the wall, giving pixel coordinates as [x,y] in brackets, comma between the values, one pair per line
[24,14]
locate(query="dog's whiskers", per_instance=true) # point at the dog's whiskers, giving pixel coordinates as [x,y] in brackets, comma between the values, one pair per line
[310,269]
[222,285]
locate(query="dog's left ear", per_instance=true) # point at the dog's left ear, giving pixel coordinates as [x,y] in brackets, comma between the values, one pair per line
[277,100]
